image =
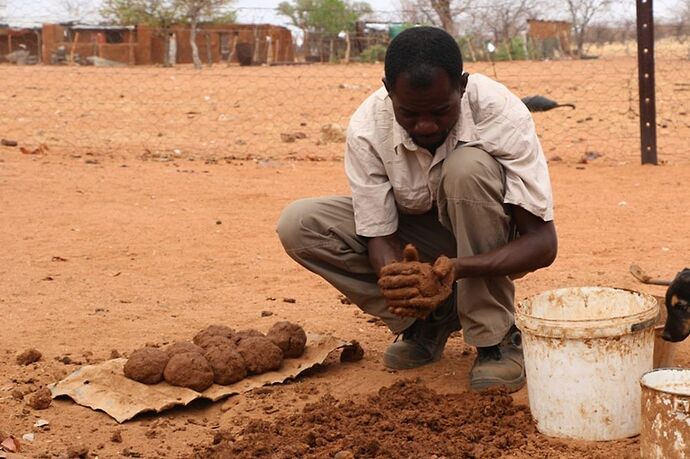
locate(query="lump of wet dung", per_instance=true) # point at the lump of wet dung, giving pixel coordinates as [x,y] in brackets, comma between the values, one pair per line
[227,363]
[146,365]
[251,333]
[213,330]
[210,341]
[260,354]
[28,356]
[289,337]
[189,369]
[180,347]
[41,399]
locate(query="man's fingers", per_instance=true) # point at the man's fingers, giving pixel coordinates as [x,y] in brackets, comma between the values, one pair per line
[400,293]
[419,302]
[397,268]
[442,266]
[400,281]
[410,253]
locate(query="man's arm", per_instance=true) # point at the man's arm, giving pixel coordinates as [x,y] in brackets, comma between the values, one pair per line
[535,248]
[384,250]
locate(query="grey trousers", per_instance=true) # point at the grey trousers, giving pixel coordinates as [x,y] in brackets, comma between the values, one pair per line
[470,218]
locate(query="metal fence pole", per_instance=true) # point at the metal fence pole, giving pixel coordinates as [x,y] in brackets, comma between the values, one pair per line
[645,70]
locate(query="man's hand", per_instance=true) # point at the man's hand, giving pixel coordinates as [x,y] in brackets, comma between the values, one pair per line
[414,289]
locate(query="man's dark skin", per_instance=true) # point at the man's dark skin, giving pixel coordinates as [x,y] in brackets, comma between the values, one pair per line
[428,115]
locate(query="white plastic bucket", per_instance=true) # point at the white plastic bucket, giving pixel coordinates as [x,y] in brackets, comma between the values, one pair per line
[585,350]
[665,430]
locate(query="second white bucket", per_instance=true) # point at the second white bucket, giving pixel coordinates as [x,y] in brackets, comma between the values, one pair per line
[585,350]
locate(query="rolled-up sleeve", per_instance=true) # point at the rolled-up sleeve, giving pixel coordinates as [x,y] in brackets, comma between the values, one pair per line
[507,132]
[372,193]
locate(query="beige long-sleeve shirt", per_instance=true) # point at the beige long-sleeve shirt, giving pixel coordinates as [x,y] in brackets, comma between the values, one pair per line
[388,173]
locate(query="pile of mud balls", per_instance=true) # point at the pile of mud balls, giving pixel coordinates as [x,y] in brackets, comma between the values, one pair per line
[217,354]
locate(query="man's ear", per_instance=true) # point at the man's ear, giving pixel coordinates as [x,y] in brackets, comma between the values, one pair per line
[385,85]
[463,81]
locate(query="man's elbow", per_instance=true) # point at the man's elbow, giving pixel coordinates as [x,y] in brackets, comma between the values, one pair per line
[550,251]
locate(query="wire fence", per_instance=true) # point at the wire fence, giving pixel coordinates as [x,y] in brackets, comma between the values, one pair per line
[269,92]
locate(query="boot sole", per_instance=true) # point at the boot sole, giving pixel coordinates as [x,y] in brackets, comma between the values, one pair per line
[511,386]
[395,363]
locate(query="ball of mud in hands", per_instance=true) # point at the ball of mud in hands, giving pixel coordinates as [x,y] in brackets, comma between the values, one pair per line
[180,347]
[146,365]
[227,363]
[189,369]
[213,330]
[289,337]
[260,354]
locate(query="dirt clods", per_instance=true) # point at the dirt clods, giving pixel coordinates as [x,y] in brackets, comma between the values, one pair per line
[260,354]
[352,353]
[289,337]
[190,370]
[227,363]
[41,399]
[404,420]
[146,365]
[28,356]
[181,347]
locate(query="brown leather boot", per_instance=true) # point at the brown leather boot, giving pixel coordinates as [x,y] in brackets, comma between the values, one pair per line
[500,365]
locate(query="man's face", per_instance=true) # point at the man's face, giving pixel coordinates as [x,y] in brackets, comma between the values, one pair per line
[427,114]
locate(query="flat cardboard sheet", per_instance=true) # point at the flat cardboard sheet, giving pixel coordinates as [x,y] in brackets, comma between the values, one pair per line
[105,387]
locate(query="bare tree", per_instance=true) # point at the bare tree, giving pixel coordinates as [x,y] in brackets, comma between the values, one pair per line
[78,10]
[194,11]
[506,19]
[581,13]
[442,13]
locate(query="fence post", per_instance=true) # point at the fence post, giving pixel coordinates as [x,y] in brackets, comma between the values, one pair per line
[645,71]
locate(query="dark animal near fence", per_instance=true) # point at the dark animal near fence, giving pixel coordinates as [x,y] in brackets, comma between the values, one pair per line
[542,104]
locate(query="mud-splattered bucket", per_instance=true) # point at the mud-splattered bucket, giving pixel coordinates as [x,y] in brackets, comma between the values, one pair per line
[585,350]
[665,432]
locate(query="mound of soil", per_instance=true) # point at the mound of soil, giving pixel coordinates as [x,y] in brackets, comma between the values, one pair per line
[41,399]
[260,354]
[289,337]
[213,330]
[189,369]
[146,365]
[180,347]
[28,356]
[401,421]
[227,363]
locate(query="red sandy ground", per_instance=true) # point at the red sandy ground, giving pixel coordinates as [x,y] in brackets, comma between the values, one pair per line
[111,239]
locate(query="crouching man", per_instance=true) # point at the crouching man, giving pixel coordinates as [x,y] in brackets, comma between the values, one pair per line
[451,164]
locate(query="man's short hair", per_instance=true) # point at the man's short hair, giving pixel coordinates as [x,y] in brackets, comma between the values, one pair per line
[419,52]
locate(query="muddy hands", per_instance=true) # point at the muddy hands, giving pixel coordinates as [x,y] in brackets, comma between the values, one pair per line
[414,289]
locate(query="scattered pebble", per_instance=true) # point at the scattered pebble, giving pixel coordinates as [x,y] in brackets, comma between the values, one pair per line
[266,313]
[41,399]
[289,300]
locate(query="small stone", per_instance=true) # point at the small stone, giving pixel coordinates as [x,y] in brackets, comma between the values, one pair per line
[28,356]
[116,437]
[8,143]
[41,399]
[352,352]
[79,451]
[115,354]
[344,454]
[266,313]
[289,300]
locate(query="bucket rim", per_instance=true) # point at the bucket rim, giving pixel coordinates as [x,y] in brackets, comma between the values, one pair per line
[588,328]
[646,385]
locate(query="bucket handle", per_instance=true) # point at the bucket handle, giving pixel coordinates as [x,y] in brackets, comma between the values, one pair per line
[644,324]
